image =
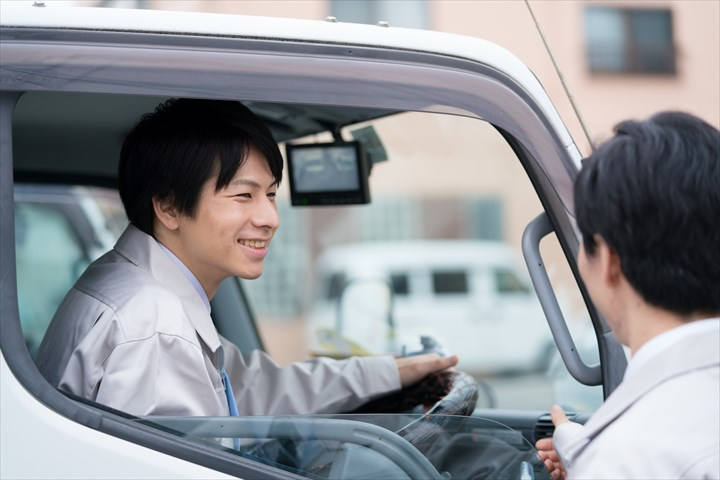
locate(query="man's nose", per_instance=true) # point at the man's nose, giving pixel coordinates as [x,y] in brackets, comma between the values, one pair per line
[266,215]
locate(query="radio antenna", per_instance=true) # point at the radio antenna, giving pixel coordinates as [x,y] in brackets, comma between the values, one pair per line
[562,79]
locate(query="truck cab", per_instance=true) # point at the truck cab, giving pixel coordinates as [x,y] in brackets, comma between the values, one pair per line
[431,113]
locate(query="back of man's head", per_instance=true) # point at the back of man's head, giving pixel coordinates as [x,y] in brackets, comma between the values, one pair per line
[652,192]
[173,151]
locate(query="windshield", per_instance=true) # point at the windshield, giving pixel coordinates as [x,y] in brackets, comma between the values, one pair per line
[370,446]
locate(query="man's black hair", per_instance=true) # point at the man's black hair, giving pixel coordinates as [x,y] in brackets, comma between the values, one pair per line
[174,150]
[652,192]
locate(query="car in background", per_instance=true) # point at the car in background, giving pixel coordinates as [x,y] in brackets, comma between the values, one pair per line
[469,296]
[73,82]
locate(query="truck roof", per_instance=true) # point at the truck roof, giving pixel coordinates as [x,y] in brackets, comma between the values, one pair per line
[28,14]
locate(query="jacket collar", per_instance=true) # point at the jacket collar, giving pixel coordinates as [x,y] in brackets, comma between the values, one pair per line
[144,251]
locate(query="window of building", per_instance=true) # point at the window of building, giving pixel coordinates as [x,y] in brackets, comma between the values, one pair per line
[486,218]
[629,40]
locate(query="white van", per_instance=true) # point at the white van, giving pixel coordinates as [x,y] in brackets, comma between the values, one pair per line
[466,295]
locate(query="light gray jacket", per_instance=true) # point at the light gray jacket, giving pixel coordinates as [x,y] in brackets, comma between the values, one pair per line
[662,423]
[134,334]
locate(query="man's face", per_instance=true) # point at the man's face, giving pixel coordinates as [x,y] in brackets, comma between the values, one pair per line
[596,271]
[232,228]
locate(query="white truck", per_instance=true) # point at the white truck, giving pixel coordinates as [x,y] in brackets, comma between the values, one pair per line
[74,80]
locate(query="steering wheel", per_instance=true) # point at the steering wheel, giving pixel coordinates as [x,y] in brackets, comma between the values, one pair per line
[441,395]
[444,396]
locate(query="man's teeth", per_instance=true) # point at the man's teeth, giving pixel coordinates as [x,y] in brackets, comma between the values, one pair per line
[253,243]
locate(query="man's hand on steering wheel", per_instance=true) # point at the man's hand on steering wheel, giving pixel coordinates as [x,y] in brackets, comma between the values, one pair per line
[415,368]
[431,381]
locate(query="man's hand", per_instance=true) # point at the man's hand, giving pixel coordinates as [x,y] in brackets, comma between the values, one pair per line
[415,368]
[545,449]
[550,458]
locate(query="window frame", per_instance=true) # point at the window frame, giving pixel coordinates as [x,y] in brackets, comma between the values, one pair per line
[635,58]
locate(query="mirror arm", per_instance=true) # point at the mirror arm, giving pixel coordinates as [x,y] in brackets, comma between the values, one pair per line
[536,230]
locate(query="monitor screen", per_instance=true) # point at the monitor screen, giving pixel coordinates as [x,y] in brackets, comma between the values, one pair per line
[328,173]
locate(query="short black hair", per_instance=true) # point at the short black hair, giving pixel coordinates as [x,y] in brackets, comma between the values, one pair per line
[174,150]
[652,192]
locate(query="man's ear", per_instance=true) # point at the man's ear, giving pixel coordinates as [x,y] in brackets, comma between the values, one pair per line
[165,213]
[610,264]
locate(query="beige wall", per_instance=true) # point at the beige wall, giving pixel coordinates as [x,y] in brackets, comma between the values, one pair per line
[603,100]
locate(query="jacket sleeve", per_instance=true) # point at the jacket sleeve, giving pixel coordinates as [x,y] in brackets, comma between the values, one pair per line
[568,439]
[321,385]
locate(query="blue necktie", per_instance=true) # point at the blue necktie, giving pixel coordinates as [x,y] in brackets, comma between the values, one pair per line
[232,404]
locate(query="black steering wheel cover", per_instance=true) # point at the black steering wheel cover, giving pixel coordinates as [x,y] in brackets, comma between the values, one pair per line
[447,392]
[442,395]
[460,400]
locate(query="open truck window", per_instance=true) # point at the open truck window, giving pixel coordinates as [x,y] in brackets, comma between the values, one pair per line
[459,130]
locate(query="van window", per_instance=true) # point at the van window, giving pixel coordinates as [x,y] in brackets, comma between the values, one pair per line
[507,281]
[335,284]
[400,284]
[448,283]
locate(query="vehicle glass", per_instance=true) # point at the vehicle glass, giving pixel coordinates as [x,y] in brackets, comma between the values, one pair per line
[445,283]
[80,224]
[352,446]
[447,179]
[400,284]
[46,272]
[506,282]
[108,202]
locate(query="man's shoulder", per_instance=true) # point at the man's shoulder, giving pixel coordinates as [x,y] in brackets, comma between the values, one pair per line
[652,391]
[130,297]
[667,432]
[116,282]
[654,415]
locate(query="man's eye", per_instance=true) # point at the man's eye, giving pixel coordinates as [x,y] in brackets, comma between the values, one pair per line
[272,195]
[244,195]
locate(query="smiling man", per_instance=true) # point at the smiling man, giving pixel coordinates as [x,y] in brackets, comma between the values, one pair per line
[198,181]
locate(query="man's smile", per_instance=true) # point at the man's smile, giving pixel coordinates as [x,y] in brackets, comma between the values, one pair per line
[253,243]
